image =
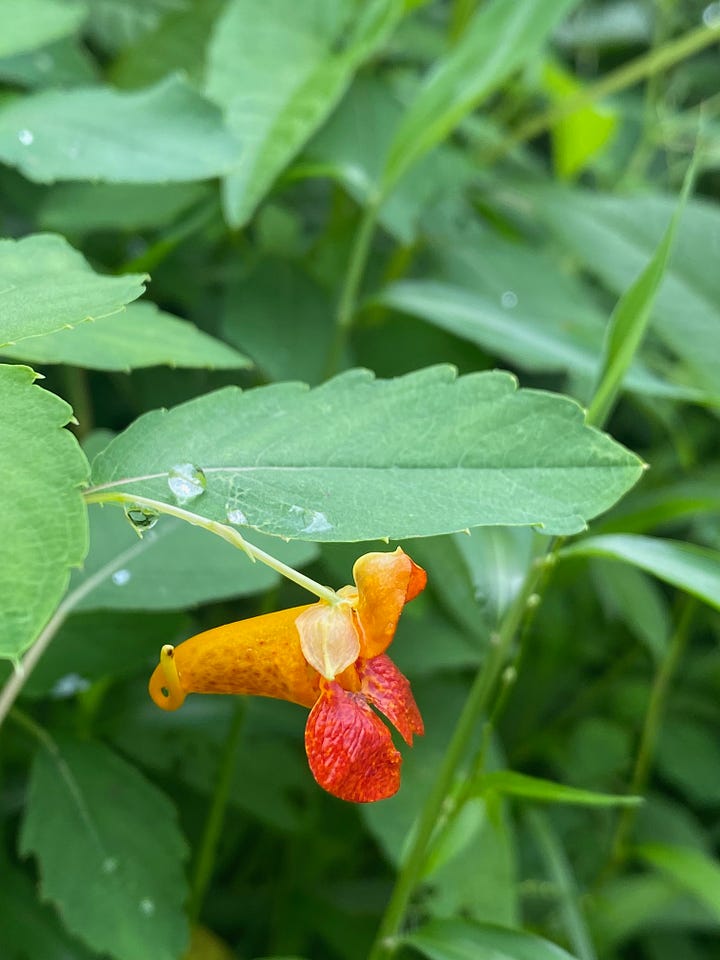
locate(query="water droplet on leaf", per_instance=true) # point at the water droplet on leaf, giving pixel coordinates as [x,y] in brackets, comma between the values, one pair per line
[147,907]
[309,521]
[509,299]
[26,137]
[186,482]
[711,15]
[109,865]
[235,515]
[121,577]
[141,518]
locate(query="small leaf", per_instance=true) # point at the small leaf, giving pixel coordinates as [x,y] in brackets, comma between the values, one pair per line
[176,135]
[500,38]
[691,870]
[460,940]
[29,24]
[44,517]
[364,459]
[45,285]
[139,336]
[534,788]
[580,135]
[691,568]
[117,881]
[273,111]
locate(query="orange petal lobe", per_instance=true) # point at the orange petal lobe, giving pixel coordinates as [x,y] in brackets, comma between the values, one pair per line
[385,582]
[350,750]
[387,688]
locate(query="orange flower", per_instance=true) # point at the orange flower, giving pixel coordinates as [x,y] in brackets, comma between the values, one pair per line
[329,657]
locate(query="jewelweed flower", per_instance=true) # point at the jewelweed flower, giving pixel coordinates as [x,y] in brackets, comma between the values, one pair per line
[328,657]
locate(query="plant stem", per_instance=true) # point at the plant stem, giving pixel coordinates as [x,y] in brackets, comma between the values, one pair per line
[347,302]
[205,862]
[221,530]
[651,63]
[475,706]
[562,876]
[23,670]
[652,724]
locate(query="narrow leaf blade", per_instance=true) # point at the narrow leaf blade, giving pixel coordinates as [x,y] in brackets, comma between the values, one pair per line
[535,788]
[500,39]
[687,566]
[460,940]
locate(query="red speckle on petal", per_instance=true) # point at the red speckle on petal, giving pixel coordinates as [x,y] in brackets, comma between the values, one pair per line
[383,684]
[350,750]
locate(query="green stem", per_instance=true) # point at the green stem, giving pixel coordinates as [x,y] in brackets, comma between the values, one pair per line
[652,724]
[651,63]
[221,530]
[562,876]
[24,669]
[475,706]
[205,863]
[347,302]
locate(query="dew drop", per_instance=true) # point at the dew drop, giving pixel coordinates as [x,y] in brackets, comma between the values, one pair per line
[121,577]
[234,515]
[186,482]
[109,865]
[509,299]
[69,685]
[141,518]
[26,137]
[309,521]
[711,15]
[147,907]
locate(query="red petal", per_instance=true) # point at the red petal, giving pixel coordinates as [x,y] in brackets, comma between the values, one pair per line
[350,750]
[385,582]
[384,685]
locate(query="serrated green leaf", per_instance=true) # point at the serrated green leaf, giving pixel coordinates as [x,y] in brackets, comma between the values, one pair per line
[110,851]
[685,565]
[499,40]
[29,24]
[139,336]
[175,566]
[460,940]
[535,788]
[445,454]
[691,870]
[45,285]
[31,929]
[83,134]
[44,517]
[278,68]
